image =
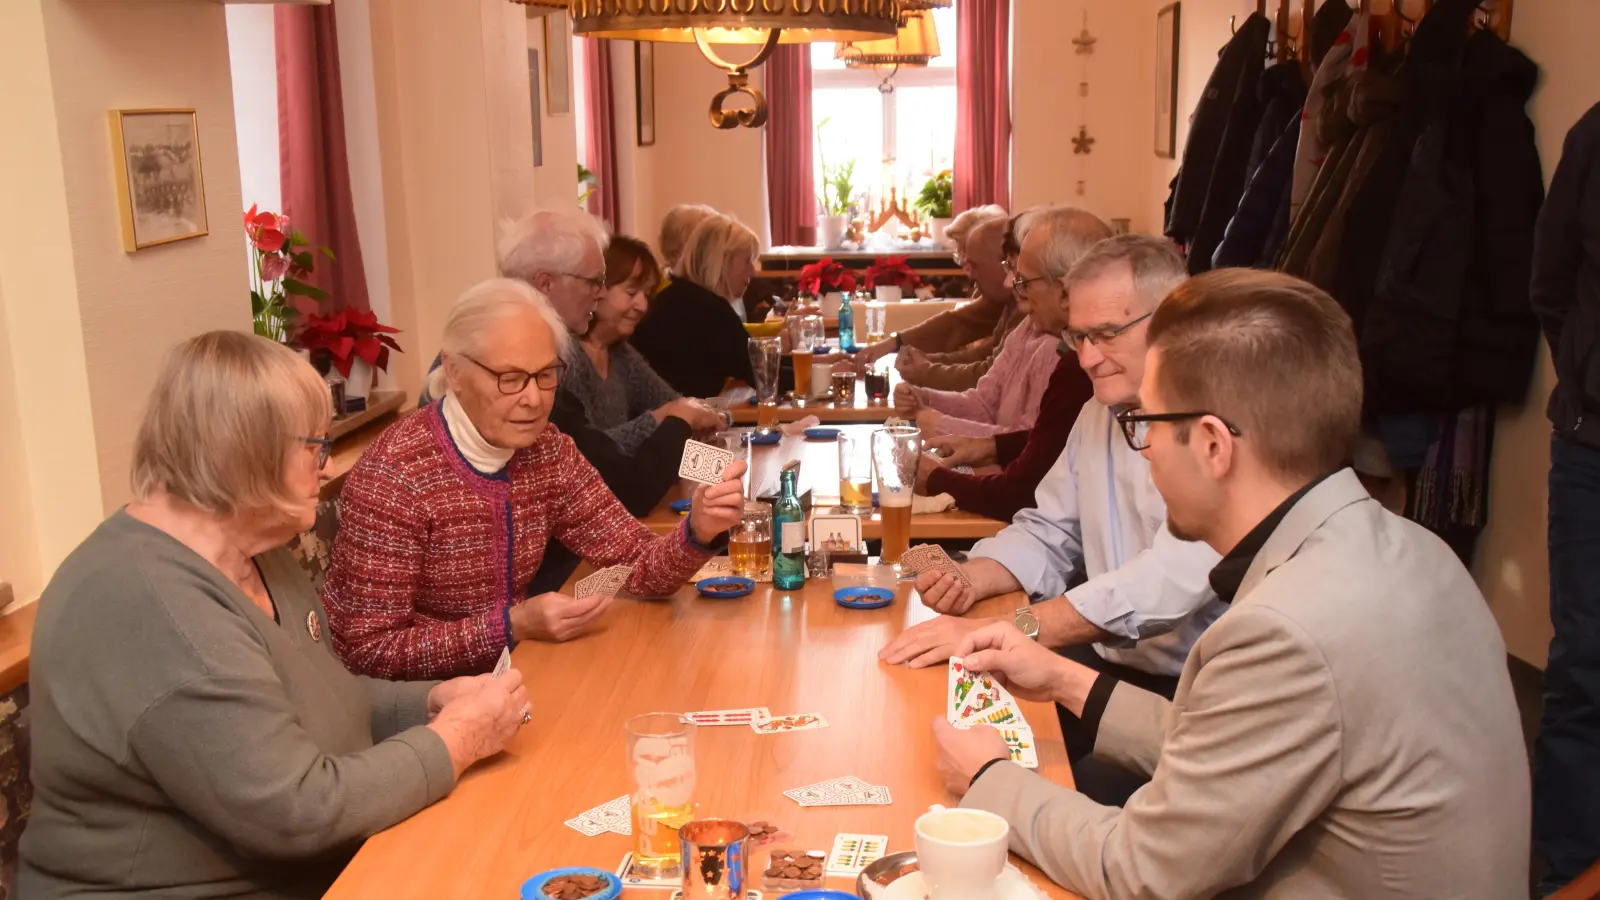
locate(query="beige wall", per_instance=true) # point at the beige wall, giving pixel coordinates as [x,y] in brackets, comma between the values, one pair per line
[87,324]
[556,182]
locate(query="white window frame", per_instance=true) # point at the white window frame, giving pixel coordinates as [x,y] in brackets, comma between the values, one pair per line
[915,76]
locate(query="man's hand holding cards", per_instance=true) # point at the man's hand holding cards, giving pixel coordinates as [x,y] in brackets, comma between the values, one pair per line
[953,595]
[718,503]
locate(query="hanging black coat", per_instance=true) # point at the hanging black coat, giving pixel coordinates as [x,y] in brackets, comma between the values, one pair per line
[1450,325]
[1233,81]
[1566,281]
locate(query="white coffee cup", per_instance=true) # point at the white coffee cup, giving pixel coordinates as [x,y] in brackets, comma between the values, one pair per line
[821,378]
[961,852]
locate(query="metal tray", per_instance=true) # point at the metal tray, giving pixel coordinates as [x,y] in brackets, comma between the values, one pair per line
[885,871]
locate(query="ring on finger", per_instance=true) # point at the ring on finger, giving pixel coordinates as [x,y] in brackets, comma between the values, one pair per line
[527,716]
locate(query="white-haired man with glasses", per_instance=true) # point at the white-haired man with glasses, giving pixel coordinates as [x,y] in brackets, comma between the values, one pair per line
[1109,584]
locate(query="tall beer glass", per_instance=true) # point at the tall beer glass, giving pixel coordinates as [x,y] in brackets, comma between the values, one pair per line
[855,472]
[894,459]
[661,762]
[808,336]
[766,357]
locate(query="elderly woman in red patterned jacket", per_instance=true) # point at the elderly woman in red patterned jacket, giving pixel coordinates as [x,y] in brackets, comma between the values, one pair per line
[446,516]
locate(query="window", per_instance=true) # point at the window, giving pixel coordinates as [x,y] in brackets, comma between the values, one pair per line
[896,139]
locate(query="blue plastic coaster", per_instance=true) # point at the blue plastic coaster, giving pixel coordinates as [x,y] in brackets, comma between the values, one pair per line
[760,438]
[745,587]
[862,598]
[821,434]
[533,888]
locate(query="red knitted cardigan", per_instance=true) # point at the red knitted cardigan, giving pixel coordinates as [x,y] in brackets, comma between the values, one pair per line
[430,553]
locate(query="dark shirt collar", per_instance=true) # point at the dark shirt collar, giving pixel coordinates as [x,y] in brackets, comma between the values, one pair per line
[1228,575]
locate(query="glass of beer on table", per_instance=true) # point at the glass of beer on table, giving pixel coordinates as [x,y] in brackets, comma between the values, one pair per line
[844,387]
[894,459]
[766,357]
[750,543]
[661,765]
[876,315]
[807,338]
[855,472]
[877,383]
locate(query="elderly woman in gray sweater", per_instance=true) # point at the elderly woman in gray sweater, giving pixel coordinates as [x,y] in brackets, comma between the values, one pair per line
[621,392]
[193,733]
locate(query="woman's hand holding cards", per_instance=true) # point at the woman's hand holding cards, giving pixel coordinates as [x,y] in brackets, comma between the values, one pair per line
[479,723]
[718,507]
[554,618]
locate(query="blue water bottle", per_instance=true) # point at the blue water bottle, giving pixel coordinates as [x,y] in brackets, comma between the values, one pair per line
[847,325]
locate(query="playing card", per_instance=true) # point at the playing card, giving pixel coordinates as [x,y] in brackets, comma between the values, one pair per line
[1019,740]
[632,879]
[748,895]
[613,816]
[853,852]
[965,470]
[715,567]
[1006,713]
[779,724]
[930,557]
[844,791]
[605,582]
[971,693]
[747,716]
[504,663]
[703,462]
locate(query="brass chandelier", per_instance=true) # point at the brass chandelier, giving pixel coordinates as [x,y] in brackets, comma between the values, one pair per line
[761,23]
[916,43]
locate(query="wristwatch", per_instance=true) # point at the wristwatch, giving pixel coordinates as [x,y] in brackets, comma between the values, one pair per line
[1026,622]
[896,336]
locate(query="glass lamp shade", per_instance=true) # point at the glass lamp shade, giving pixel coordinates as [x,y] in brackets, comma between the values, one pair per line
[735,21]
[914,44]
[912,5]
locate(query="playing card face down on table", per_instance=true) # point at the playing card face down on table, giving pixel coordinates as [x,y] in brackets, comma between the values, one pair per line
[703,462]
[606,582]
[613,816]
[845,791]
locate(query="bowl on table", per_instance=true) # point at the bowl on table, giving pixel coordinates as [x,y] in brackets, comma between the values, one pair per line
[724,587]
[822,434]
[763,329]
[761,438]
[557,883]
[863,597]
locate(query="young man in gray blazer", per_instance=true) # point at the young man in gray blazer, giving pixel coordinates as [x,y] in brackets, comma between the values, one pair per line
[1346,729]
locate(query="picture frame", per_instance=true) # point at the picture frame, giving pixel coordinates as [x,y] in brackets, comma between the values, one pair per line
[558,64]
[644,90]
[533,102]
[1168,21]
[161,195]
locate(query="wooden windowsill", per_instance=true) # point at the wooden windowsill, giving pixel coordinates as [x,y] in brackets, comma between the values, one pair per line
[16,636]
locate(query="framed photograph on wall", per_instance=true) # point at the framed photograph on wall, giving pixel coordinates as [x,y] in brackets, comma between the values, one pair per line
[1167,81]
[644,89]
[558,64]
[533,100]
[161,193]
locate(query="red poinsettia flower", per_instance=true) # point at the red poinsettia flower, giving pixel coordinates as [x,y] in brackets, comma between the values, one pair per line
[892,270]
[826,275]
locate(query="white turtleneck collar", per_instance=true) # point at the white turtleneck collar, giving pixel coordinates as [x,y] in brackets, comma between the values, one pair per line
[479,453]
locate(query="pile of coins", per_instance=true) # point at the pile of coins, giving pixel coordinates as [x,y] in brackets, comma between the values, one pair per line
[793,869]
[574,887]
[761,832]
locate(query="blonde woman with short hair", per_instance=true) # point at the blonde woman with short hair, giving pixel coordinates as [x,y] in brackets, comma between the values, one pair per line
[193,733]
[692,336]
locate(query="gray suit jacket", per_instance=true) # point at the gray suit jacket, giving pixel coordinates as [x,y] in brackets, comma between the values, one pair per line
[1346,729]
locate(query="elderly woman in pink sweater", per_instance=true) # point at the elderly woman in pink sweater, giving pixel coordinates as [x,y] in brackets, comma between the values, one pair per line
[1007,397]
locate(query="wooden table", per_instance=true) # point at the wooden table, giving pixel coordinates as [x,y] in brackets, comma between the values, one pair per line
[793,652]
[819,473]
[827,411]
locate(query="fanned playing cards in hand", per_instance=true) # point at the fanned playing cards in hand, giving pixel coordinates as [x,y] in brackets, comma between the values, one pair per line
[605,582]
[703,462]
[931,558]
[974,698]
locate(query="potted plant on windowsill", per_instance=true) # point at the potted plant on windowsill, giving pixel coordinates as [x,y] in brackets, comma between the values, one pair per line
[937,202]
[838,193]
[355,342]
[891,278]
[827,280]
[280,261]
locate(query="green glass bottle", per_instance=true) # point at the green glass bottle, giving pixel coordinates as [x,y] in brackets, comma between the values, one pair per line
[788,536]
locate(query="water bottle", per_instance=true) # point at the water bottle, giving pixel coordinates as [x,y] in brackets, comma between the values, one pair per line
[788,536]
[847,324]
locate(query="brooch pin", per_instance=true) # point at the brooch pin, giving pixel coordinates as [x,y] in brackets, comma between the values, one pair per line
[314,626]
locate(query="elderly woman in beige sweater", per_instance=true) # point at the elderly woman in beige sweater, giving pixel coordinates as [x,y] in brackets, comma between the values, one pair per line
[193,734]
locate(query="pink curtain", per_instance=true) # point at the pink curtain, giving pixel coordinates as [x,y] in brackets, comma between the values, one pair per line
[312,161]
[983,103]
[791,189]
[601,141]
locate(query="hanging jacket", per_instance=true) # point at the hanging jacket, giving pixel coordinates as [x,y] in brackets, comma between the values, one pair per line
[1348,54]
[1230,170]
[1450,325]
[1566,281]
[1264,200]
[1237,71]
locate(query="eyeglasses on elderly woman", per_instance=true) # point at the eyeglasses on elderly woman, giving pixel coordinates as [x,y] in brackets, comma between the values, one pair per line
[515,381]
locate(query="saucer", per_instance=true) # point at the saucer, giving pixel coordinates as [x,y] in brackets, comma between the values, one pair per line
[895,877]
[863,597]
[821,434]
[761,438]
[533,888]
[743,585]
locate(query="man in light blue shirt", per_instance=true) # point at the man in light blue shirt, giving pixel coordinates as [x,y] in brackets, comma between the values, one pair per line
[1119,592]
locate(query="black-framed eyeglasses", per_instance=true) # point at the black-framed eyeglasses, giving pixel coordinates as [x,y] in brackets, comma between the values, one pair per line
[324,449]
[598,282]
[1136,425]
[1101,336]
[515,381]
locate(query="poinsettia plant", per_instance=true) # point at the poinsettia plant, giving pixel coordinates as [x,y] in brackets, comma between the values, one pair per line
[280,261]
[892,270]
[825,275]
[348,335]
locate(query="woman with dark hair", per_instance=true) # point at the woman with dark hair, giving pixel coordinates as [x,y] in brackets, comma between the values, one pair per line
[622,394]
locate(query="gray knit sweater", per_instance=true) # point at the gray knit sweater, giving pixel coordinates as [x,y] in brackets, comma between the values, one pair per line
[620,403]
[185,745]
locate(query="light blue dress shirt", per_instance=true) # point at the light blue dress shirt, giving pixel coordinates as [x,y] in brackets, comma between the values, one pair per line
[1097,516]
